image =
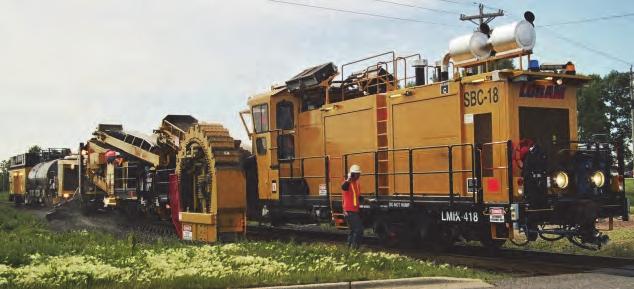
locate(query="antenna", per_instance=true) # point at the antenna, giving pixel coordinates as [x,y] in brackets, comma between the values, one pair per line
[483,18]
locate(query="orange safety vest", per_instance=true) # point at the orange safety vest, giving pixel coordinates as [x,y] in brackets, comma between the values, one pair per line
[350,197]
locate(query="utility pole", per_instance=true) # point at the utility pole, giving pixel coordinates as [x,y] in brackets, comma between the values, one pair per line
[632,109]
[483,18]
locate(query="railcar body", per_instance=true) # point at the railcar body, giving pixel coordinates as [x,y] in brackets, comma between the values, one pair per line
[42,178]
[441,158]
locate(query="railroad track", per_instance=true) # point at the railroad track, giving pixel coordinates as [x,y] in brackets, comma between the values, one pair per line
[513,261]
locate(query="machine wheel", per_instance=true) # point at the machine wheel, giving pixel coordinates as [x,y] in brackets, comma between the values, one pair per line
[385,232]
[488,242]
[441,238]
[204,148]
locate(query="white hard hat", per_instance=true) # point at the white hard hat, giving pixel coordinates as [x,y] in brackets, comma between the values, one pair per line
[355,169]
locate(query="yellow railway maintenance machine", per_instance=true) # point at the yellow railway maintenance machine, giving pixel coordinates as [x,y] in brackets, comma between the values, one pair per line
[211,187]
[441,157]
[139,180]
[42,178]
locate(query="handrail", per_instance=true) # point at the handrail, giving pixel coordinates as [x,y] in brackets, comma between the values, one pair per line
[326,175]
[450,171]
[508,167]
[367,58]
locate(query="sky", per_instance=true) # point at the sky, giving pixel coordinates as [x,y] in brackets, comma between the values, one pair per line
[68,65]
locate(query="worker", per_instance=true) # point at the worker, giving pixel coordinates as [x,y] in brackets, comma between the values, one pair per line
[521,150]
[110,156]
[351,198]
[119,160]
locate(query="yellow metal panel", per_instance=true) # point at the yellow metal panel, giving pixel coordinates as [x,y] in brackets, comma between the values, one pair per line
[351,128]
[231,188]
[17,180]
[310,141]
[421,121]
[149,157]
[198,218]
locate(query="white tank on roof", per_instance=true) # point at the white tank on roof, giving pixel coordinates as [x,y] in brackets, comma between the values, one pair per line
[470,46]
[512,37]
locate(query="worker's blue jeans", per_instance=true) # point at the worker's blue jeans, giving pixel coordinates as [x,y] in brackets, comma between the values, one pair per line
[355,227]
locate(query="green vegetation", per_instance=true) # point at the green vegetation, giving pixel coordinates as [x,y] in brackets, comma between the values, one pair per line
[604,108]
[621,239]
[621,245]
[32,256]
[4,196]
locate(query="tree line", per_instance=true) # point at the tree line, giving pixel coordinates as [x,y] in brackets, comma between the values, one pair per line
[604,108]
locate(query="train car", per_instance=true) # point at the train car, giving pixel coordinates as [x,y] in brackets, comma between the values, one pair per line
[50,182]
[455,150]
[42,178]
[19,168]
[208,190]
[129,169]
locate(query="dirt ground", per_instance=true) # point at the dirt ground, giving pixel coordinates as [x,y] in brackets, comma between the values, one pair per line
[71,218]
[603,224]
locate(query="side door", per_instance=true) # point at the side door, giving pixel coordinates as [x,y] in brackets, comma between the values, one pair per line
[262,149]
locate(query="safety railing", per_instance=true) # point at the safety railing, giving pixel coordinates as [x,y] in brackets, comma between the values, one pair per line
[404,81]
[381,82]
[302,169]
[379,77]
[160,180]
[123,183]
[507,160]
[411,172]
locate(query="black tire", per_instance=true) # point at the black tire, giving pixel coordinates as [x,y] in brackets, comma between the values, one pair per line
[488,242]
[441,239]
[385,232]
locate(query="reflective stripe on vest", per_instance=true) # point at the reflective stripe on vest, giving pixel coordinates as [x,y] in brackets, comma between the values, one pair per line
[354,194]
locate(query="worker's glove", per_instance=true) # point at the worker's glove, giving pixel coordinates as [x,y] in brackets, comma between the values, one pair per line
[345,186]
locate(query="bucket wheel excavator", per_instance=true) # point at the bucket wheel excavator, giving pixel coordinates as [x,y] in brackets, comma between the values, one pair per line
[211,191]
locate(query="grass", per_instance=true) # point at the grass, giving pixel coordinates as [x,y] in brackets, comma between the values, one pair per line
[621,245]
[621,239]
[32,256]
[4,196]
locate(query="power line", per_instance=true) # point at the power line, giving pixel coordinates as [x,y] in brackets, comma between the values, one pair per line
[469,3]
[362,13]
[603,18]
[584,46]
[419,7]
[574,42]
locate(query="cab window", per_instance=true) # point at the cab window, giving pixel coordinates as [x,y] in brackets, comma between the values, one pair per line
[261,118]
[284,116]
[260,144]
[285,147]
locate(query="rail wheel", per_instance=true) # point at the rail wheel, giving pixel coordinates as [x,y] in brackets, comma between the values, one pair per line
[488,242]
[385,232]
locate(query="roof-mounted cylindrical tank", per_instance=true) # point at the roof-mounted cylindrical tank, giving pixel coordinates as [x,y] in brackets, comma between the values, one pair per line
[513,37]
[469,47]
